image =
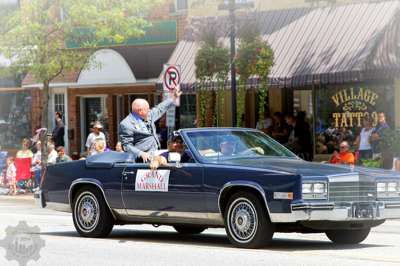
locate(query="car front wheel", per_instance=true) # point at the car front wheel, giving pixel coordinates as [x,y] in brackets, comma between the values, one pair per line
[90,213]
[246,221]
[348,236]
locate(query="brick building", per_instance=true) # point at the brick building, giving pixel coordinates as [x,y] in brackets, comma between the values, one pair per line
[105,94]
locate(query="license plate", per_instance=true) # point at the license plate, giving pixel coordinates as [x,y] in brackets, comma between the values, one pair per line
[363,210]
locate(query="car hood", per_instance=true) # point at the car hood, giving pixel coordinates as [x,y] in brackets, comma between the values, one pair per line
[304,168]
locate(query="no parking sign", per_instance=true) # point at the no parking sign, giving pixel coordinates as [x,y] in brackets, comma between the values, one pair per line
[171,77]
[171,81]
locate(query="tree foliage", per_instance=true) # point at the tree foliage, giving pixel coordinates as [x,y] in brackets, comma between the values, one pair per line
[212,65]
[254,57]
[33,36]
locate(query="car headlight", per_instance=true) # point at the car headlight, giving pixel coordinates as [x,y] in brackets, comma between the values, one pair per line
[317,190]
[307,188]
[389,189]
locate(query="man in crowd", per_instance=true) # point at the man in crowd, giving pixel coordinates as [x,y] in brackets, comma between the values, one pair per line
[62,157]
[93,137]
[344,156]
[138,131]
[377,132]
[59,131]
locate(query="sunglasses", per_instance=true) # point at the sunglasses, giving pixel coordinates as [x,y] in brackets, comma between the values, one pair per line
[343,147]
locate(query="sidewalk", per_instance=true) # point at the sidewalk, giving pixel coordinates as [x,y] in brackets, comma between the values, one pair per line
[20,197]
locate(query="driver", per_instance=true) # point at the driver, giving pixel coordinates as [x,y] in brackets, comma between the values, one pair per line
[228,146]
[175,144]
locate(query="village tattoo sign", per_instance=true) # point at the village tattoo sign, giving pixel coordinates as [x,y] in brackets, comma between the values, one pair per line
[354,104]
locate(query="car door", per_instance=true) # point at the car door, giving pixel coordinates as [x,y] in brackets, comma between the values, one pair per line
[170,191]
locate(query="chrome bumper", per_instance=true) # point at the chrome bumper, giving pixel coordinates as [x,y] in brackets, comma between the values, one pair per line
[371,211]
[346,212]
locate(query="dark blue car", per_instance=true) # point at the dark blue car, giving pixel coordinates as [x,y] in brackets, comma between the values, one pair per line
[239,179]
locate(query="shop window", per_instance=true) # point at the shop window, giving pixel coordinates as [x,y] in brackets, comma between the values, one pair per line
[302,102]
[340,112]
[15,119]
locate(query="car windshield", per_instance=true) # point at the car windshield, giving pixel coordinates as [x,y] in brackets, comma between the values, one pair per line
[235,144]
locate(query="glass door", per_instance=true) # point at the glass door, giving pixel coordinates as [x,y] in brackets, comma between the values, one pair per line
[92,109]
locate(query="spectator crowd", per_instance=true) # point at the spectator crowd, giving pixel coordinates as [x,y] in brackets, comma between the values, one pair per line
[22,173]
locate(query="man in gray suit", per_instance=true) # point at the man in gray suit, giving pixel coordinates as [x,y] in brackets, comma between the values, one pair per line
[138,130]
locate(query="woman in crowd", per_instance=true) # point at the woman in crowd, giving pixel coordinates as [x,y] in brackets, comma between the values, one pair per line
[23,162]
[363,140]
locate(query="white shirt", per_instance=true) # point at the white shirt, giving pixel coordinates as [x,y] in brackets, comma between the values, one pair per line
[11,172]
[264,124]
[364,139]
[36,157]
[91,139]
[52,157]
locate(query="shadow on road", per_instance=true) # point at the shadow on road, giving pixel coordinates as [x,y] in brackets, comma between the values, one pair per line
[215,240]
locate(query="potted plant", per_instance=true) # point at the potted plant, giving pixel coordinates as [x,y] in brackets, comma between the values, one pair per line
[390,147]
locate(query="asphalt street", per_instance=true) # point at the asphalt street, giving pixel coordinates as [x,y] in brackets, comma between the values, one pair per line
[145,245]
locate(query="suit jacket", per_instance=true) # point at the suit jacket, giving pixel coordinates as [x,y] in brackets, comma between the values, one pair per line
[58,134]
[134,135]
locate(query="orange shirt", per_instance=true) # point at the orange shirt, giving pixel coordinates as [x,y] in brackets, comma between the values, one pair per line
[344,158]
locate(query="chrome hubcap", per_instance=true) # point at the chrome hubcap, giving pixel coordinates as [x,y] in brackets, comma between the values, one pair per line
[87,212]
[243,220]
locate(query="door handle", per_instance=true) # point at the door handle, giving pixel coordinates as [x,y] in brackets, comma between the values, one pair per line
[129,173]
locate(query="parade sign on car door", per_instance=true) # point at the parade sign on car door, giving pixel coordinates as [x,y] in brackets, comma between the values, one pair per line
[152,180]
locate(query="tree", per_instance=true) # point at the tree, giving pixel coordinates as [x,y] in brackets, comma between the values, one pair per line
[33,36]
[254,57]
[212,64]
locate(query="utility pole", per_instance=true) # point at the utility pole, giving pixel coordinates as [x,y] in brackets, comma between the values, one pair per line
[232,6]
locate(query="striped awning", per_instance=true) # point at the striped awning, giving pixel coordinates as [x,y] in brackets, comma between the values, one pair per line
[332,45]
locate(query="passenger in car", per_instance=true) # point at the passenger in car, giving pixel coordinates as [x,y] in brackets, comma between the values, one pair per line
[175,144]
[228,146]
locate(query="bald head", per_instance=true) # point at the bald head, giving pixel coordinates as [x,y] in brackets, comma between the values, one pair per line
[141,107]
[344,146]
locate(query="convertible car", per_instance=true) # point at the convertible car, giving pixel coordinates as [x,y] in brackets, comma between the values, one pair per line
[235,178]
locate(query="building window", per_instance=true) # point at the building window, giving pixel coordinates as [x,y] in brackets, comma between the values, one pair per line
[181,5]
[178,6]
[59,103]
[226,2]
[187,111]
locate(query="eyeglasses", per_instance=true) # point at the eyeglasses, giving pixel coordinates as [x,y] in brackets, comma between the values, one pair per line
[343,147]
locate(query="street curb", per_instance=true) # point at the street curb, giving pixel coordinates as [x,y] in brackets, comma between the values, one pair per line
[25,198]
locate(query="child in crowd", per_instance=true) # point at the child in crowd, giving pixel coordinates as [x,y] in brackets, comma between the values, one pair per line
[11,174]
[118,147]
[99,146]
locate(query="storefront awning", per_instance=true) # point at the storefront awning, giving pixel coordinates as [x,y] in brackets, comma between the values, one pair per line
[144,63]
[332,45]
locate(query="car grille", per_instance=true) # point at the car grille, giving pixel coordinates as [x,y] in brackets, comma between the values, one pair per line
[352,191]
